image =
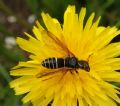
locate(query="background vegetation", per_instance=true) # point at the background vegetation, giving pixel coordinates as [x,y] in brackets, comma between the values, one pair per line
[17,16]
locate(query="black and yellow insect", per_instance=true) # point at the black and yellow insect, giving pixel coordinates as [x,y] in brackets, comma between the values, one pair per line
[70,62]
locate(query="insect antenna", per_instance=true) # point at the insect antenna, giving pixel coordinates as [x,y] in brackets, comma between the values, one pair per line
[89,57]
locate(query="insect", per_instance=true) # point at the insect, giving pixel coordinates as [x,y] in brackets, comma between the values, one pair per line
[68,62]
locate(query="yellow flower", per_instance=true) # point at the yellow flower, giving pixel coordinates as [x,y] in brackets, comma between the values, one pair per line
[64,86]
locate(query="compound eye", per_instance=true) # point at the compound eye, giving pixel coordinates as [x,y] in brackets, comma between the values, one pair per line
[81,65]
[84,65]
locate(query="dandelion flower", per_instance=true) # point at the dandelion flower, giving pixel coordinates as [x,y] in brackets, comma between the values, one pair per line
[63,86]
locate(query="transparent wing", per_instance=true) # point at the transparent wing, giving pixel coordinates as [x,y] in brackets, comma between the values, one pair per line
[53,42]
[49,74]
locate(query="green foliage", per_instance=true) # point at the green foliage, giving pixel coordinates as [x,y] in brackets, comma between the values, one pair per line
[9,57]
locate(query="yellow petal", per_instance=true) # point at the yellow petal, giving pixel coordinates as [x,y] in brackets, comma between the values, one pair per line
[24,71]
[52,25]
[105,36]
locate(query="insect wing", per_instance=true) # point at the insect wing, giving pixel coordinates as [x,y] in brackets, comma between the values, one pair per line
[53,42]
[47,73]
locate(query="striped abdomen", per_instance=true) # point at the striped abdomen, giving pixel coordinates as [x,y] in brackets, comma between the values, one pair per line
[68,62]
[53,63]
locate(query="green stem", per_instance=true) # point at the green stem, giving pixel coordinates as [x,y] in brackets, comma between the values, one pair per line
[4,73]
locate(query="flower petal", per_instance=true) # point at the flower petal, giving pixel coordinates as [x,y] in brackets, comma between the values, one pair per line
[52,25]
